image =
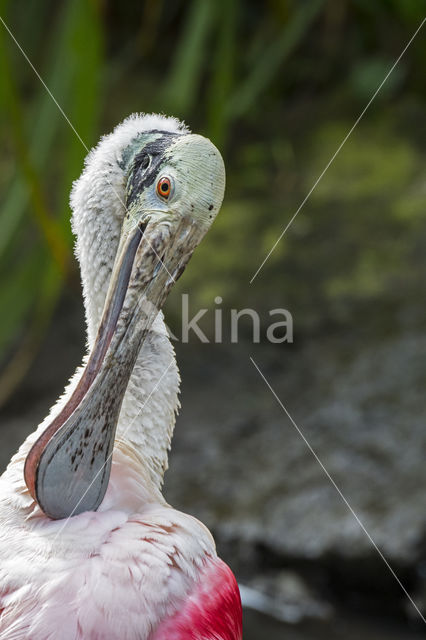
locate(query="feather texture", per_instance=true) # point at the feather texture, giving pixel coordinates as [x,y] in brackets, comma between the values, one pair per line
[136,569]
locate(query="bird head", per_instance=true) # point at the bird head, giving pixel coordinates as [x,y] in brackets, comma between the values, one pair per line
[173,189]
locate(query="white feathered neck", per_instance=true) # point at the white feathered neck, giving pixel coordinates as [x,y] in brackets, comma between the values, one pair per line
[119,571]
[149,406]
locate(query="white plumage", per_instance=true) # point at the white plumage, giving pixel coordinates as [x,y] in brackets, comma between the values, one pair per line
[117,572]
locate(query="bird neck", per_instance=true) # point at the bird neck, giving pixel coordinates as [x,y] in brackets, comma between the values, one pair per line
[148,411]
[150,403]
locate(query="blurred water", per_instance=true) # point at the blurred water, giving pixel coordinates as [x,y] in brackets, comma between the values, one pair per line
[259,627]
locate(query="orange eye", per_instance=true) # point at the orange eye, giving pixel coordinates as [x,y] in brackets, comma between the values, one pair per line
[164,187]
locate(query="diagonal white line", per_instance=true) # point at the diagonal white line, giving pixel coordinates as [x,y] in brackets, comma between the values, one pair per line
[335,154]
[331,479]
[43,83]
[72,126]
[111,454]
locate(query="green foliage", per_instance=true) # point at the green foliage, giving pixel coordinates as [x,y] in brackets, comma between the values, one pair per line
[368,75]
[184,79]
[268,63]
[277,86]
[375,162]
[35,245]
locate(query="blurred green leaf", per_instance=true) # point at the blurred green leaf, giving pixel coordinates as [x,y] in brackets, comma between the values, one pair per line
[371,163]
[73,80]
[84,97]
[44,118]
[273,57]
[180,89]
[223,64]
[367,76]
[46,224]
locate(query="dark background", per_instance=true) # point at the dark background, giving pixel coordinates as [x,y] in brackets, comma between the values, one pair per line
[277,85]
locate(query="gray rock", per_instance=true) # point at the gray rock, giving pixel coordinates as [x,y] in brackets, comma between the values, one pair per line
[240,465]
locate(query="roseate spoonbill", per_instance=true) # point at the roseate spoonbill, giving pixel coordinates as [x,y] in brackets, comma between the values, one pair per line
[89,548]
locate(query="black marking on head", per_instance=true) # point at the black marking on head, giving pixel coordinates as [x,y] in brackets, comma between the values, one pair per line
[210,207]
[139,141]
[146,164]
[144,160]
[167,133]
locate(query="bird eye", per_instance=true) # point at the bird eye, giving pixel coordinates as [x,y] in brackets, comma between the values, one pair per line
[164,187]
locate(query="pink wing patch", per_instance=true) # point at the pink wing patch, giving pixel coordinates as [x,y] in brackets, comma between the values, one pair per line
[211,612]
